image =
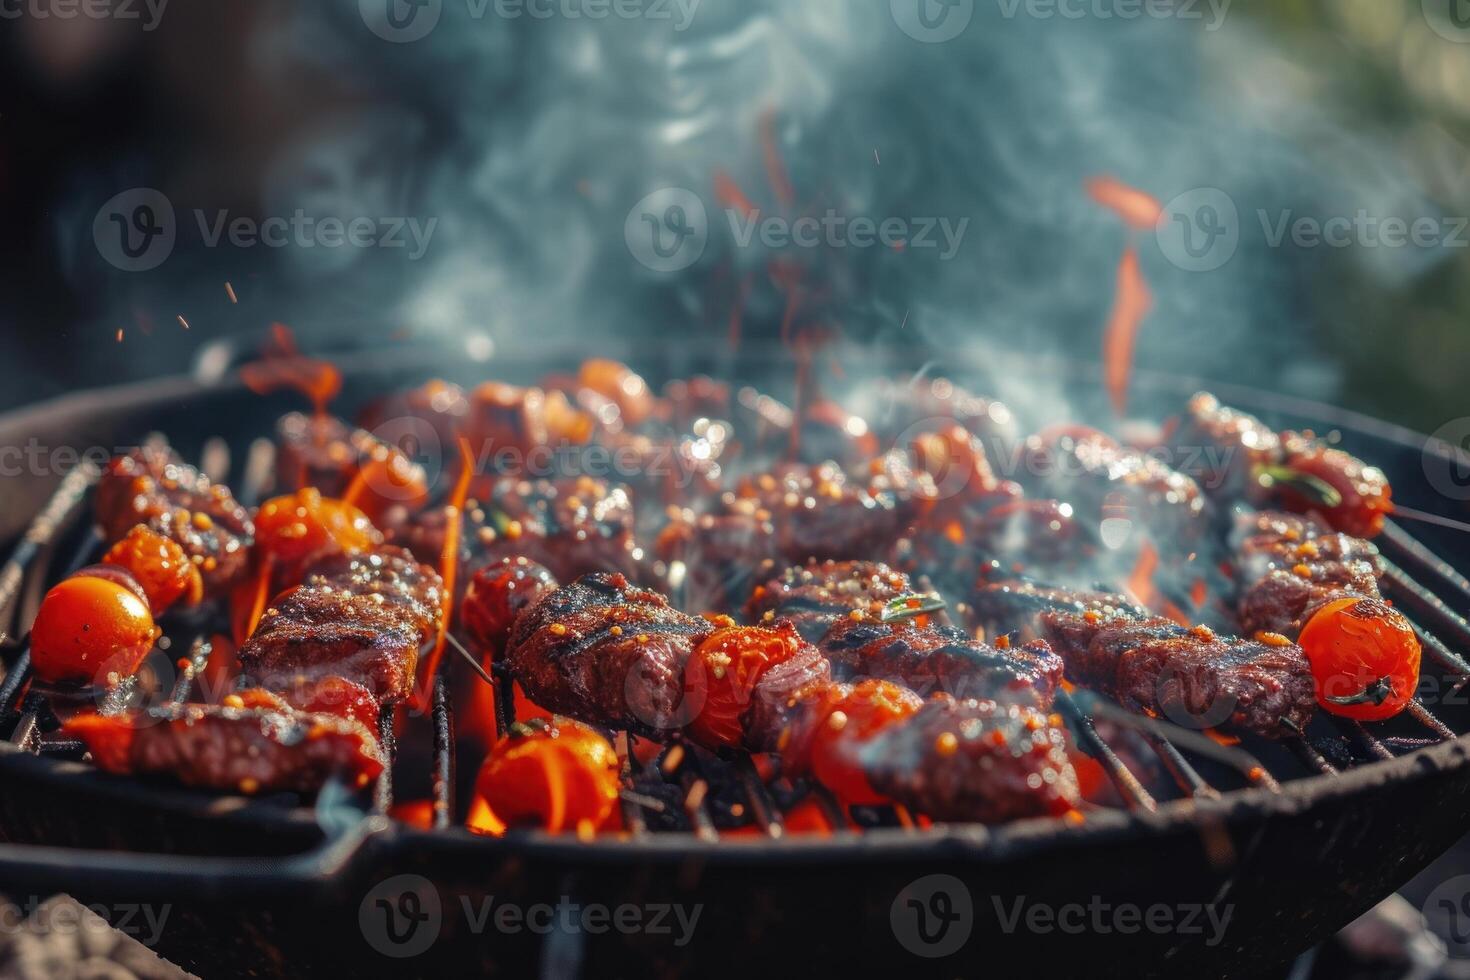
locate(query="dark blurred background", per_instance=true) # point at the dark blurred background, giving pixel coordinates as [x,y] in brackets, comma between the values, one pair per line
[526,140]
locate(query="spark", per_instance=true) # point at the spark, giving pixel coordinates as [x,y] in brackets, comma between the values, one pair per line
[905,319]
[119,335]
[230,292]
[182,322]
[875,157]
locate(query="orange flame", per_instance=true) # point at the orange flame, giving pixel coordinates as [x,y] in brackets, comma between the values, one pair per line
[448,567]
[1139,211]
[1141,580]
[283,366]
[1131,306]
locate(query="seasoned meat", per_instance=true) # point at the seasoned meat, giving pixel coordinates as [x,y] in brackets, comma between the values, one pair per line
[245,750]
[1222,447]
[572,526]
[152,486]
[606,651]
[1120,495]
[816,595]
[324,452]
[1012,602]
[720,555]
[1192,677]
[975,760]
[1366,497]
[934,659]
[363,618]
[1286,567]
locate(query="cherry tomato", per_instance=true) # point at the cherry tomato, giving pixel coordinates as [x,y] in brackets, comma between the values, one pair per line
[160,567]
[1367,498]
[1364,657]
[495,597]
[723,673]
[848,718]
[91,630]
[305,525]
[554,774]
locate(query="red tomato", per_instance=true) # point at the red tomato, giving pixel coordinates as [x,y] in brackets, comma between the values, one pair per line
[91,630]
[1364,657]
[553,774]
[305,525]
[160,567]
[847,719]
[723,673]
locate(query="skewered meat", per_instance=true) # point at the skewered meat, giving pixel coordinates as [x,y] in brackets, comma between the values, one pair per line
[975,760]
[605,650]
[1230,448]
[1191,676]
[251,750]
[1118,494]
[573,526]
[326,453]
[932,659]
[361,617]
[1299,579]
[815,596]
[153,487]
[1366,499]
[714,558]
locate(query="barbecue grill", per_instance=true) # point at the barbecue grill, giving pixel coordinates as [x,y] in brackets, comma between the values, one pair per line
[1295,839]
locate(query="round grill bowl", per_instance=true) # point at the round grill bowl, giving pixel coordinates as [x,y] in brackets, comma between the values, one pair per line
[256,890]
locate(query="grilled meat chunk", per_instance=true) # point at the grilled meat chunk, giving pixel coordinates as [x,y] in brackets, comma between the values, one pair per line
[572,526]
[817,595]
[975,760]
[934,659]
[153,487]
[1229,445]
[1193,677]
[362,617]
[1120,494]
[244,750]
[1286,567]
[1011,602]
[324,452]
[606,651]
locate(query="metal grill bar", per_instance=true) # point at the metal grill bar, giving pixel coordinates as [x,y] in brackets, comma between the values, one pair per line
[1412,551]
[55,516]
[443,780]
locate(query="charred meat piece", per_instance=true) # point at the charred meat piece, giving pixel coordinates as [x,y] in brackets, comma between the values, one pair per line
[975,760]
[1189,676]
[1229,447]
[1120,495]
[1365,498]
[717,556]
[153,487]
[244,750]
[942,659]
[608,652]
[1012,602]
[817,595]
[363,618]
[1287,566]
[324,452]
[573,526]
